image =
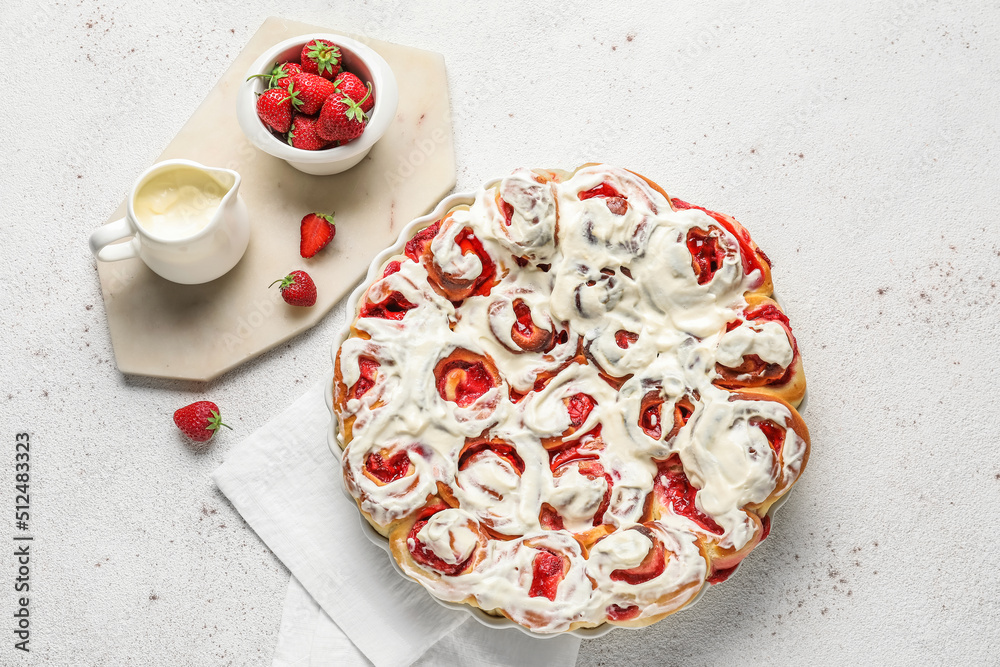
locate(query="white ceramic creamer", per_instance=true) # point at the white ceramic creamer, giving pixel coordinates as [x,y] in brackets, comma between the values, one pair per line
[186,221]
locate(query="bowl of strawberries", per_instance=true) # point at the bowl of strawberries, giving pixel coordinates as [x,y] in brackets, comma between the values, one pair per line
[319,102]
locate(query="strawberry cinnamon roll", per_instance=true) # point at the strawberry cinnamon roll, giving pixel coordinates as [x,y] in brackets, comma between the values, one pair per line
[570,402]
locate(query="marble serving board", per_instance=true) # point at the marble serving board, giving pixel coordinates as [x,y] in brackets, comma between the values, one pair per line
[197,332]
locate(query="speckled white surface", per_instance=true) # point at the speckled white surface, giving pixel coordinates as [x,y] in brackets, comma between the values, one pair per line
[858,145]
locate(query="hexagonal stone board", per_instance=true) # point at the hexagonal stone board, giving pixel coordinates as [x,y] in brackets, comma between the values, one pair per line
[197,332]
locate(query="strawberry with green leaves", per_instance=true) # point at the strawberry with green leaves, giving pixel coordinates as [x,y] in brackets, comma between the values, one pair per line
[342,119]
[199,421]
[297,289]
[302,133]
[310,92]
[274,108]
[321,57]
[353,87]
[316,231]
[280,75]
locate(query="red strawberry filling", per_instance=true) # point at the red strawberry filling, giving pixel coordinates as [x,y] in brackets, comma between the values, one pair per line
[463,377]
[550,518]
[718,576]
[546,573]
[507,210]
[748,251]
[754,371]
[457,289]
[683,409]
[369,368]
[421,242]
[393,307]
[593,470]
[707,252]
[525,334]
[617,613]
[496,448]
[674,489]
[775,434]
[423,555]
[765,522]
[625,338]
[585,448]
[616,202]
[391,268]
[579,407]
[651,566]
[388,470]
[650,409]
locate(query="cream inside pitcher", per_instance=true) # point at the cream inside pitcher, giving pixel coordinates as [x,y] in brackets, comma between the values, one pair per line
[186,221]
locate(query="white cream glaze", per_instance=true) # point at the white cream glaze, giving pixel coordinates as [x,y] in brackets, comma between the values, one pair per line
[680,326]
[768,340]
[448,536]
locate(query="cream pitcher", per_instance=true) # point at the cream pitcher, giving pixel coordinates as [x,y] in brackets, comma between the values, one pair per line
[186,221]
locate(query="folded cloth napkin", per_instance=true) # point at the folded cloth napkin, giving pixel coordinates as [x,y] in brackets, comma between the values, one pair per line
[346,604]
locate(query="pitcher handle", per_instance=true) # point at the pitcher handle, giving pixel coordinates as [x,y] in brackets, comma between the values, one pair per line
[101,239]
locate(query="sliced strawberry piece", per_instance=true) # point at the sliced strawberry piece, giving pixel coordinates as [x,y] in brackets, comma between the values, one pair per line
[389,470]
[651,566]
[316,231]
[546,573]
[765,522]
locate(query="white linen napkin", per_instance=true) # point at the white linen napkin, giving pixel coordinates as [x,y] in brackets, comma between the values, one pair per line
[345,604]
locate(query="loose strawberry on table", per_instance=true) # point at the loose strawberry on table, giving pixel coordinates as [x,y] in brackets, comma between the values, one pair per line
[302,133]
[342,119]
[316,230]
[310,92]
[199,421]
[297,289]
[274,107]
[321,57]
[354,88]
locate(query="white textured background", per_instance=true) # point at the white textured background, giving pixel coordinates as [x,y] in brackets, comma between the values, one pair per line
[858,145]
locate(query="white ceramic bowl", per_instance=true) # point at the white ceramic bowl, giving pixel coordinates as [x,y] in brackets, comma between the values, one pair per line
[357,58]
[374,536]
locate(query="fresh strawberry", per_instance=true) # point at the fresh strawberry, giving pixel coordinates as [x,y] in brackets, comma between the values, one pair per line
[199,421]
[341,119]
[321,57]
[310,92]
[297,289]
[274,107]
[280,75]
[302,133]
[355,89]
[317,229]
